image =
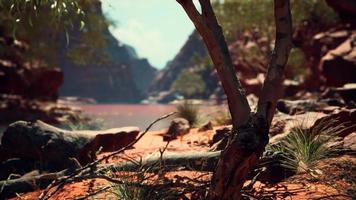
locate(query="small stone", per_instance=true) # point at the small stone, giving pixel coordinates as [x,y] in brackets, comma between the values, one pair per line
[178,126]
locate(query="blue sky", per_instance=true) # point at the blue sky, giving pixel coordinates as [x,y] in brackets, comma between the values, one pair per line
[157,29]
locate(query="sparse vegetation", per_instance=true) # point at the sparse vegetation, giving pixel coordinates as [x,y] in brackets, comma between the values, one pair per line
[189,84]
[188,111]
[302,147]
[128,192]
[237,16]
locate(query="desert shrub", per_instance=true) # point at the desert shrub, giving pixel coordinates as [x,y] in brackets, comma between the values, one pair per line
[189,84]
[128,192]
[302,147]
[188,111]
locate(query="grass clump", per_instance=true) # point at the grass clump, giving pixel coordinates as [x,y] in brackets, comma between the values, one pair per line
[302,147]
[188,111]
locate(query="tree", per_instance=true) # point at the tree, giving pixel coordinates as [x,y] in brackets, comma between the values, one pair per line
[189,84]
[56,29]
[250,130]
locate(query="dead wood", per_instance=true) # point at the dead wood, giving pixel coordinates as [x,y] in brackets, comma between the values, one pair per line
[195,161]
[48,144]
[92,166]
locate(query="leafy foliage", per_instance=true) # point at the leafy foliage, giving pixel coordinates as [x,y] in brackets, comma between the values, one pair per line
[302,147]
[54,27]
[188,111]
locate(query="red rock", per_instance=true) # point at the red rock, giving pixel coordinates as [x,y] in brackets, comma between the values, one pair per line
[338,66]
[346,117]
[350,142]
[345,8]
[178,126]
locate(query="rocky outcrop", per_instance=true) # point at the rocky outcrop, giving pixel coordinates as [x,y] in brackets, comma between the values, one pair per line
[178,127]
[18,76]
[344,117]
[338,66]
[29,88]
[15,107]
[347,93]
[345,8]
[193,47]
[248,66]
[30,81]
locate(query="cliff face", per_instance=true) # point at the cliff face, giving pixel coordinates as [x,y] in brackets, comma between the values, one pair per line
[123,77]
[164,79]
[324,57]
[18,76]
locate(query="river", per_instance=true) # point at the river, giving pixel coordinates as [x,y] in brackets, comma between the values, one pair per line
[118,115]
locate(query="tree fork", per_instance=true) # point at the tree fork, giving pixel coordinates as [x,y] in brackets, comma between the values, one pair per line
[250,130]
[212,35]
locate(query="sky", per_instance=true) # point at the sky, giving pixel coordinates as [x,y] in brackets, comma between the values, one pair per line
[157,29]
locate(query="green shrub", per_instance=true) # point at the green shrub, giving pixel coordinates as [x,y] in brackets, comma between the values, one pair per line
[301,148]
[189,84]
[188,111]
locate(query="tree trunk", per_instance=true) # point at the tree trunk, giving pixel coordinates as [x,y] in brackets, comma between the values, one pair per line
[250,130]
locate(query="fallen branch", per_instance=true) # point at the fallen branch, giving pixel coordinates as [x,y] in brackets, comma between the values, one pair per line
[80,171]
[48,144]
[193,161]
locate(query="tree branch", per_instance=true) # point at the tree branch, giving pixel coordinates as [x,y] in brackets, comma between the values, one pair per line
[272,86]
[212,34]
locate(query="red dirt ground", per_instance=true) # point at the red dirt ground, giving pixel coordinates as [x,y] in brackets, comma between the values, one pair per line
[301,186]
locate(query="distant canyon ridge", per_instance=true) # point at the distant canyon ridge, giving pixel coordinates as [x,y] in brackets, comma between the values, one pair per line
[328,51]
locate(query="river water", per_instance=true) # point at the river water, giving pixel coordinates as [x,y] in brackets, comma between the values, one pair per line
[140,115]
[118,115]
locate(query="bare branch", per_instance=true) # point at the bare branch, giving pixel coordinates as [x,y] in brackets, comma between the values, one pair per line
[212,34]
[272,87]
[78,172]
